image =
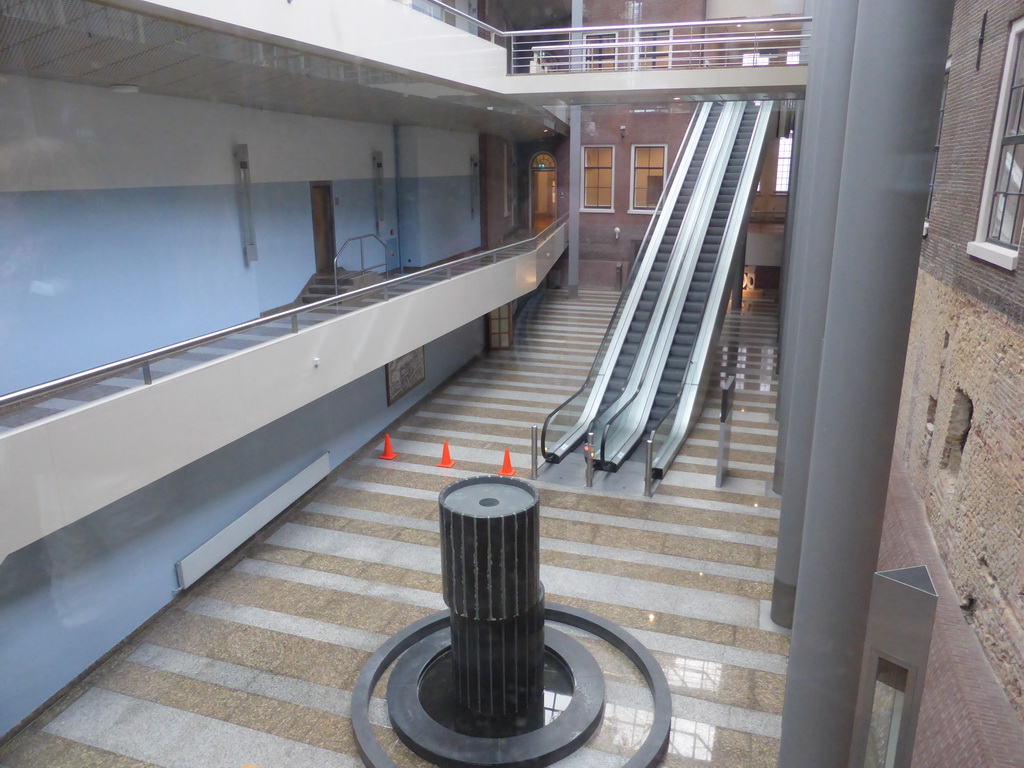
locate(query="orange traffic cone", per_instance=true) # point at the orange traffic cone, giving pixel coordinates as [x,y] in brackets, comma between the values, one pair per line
[506,468]
[388,453]
[446,458]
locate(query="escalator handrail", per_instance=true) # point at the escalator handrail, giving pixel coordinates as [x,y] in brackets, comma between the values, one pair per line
[692,133]
[736,218]
[725,136]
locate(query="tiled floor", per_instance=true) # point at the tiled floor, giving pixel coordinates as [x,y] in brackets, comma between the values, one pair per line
[255,665]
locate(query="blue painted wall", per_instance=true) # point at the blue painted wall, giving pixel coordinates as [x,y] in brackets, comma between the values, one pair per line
[89,277]
[438,220]
[69,598]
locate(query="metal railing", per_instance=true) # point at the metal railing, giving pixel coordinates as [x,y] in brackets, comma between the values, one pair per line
[287,321]
[455,18]
[741,42]
[778,41]
[363,269]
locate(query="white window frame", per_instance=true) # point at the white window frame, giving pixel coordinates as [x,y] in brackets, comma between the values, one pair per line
[632,177]
[583,180]
[980,248]
[782,179]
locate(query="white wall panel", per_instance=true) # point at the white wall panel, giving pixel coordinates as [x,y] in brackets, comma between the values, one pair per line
[82,137]
[60,470]
[382,31]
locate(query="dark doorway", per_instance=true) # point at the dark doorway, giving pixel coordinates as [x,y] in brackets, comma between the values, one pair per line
[322,202]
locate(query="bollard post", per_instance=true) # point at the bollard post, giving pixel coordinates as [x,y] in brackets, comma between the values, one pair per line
[533,452]
[649,468]
[588,451]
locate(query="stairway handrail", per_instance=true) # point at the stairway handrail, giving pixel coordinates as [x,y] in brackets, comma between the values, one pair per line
[41,390]
[363,269]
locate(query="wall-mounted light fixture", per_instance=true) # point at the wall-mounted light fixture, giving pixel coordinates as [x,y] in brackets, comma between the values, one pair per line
[622,130]
[242,184]
[617,231]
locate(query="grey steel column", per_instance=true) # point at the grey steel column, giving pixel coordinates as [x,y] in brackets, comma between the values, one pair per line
[895,88]
[575,170]
[810,264]
[786,300]
[575,180]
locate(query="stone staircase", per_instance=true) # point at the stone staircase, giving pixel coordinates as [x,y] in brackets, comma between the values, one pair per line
[321,285]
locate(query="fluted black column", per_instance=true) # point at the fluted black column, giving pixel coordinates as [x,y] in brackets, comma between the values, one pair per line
[490,573]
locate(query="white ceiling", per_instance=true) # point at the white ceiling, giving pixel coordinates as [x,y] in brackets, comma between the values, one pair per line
[85,42]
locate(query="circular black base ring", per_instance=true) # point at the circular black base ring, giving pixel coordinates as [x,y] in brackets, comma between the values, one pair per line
[646,756]
[436,743]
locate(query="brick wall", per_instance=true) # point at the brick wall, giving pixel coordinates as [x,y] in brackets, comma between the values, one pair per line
[960,173]
[961,425]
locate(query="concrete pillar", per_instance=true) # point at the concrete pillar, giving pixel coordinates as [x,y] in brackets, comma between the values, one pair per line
[575,181]
[893,104]
[810,265]
[575,169]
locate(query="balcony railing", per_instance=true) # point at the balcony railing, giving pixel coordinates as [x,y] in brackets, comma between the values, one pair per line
[16,408]
[779,41]
[746,42]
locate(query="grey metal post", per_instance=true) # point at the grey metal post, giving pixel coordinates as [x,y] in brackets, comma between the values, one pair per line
[649,468]
[533,452]
[810,263]
[787,299]
[575,181]
[889,131]
[575,178]
[737,286]
[588,450]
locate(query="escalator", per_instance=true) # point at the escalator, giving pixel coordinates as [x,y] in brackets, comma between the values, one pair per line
[567,426]
[638,412]
[654,347]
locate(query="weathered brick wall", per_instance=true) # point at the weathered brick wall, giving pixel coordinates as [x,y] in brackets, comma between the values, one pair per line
[975,501]
[961,427]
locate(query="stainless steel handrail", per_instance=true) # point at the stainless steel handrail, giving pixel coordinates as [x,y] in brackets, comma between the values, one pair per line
[461,15]
[145,358]
[362,263]
[669,25]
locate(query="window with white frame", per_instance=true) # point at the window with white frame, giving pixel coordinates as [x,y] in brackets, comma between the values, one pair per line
[598,172]
[648,178]
[783,167]
[1002,210]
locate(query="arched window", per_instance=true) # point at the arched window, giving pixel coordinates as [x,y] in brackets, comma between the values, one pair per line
[543,162]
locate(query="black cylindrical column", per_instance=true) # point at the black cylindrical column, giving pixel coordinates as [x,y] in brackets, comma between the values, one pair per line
[490,575]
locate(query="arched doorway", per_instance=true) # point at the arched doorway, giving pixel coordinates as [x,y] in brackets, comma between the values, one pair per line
[543,206]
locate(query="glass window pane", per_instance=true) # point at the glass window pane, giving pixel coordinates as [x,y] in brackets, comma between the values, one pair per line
[590,198]
[658,156]
[655,183]
[642,155]
[640,198]
[605,177]
[604,156]
[604,198]
[1018,70]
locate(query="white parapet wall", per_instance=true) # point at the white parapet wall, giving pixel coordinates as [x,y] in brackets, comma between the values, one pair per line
[61,469]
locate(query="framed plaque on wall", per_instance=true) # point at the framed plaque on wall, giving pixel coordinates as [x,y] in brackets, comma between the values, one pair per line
[403,374]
